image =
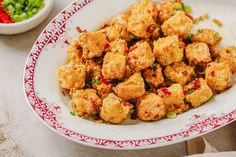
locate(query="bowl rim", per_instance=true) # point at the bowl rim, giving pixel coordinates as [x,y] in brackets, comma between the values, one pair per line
[28,21]
[122,144]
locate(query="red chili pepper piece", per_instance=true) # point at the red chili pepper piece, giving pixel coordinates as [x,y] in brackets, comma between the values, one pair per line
[129,58]
[4,17]
[133,48]
[126,50]
[151,28]
[213,73]
[95,106]
[105,81]
[107,45]
[190,16]
[166,92]
[127,104]
[185,92]
[197,84]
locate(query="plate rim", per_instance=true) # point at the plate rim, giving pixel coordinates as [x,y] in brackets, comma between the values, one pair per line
[116,144]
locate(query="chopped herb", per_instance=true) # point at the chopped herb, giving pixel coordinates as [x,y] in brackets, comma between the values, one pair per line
[72,113]
[189,37]
[216,36]
[217,22]
[178,6]
[200,31]
[154,67]
[95,81]
[191,91]
[133,101]
[171,114]
[187,9]
[183,5]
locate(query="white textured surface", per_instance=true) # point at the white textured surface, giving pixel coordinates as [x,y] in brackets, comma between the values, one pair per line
[21,134]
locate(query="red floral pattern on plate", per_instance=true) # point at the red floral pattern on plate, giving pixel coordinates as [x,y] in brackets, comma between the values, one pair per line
[200,123]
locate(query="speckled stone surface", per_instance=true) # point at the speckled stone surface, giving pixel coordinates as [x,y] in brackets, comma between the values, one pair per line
[23,135]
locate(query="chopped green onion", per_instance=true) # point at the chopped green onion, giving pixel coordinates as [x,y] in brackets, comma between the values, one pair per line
[154,67]
[187,9]
[178,6]
[95,81]
[191,91]
[189,37]
[72,113]
[171,114]
[216,36]
[183,5]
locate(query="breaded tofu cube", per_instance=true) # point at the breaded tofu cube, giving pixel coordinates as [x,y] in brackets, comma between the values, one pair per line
[114,66]
[114,110]
[145,7]
[228,55]
[172,95]
[74,53]
[119,46]
[102,89]
[111,33]
[154,75]
[150,107]
[208,36]
[140,56]
[166,10]
[93,44]
[132,88]
[120,22]
[179,73]
[198,54]
[92,68]
[197,92]
[72,76]
[85,102]
[168,50]
[142,25]
[218,76]
[179,25]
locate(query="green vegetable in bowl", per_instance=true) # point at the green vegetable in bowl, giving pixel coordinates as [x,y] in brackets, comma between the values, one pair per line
[20,10]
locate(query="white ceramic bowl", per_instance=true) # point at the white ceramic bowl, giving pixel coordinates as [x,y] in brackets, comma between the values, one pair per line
[46,101]
[28,24]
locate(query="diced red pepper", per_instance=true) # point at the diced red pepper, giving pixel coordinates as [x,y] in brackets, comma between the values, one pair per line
[213,73]
[126,50]
[95,106]
[4,17]
[190,16]
[106,46]
[166,91]
[197,84]
[133,48]
[151,28]
[105,81]
[129,58]
[127,104]
[185,92]
[63,93]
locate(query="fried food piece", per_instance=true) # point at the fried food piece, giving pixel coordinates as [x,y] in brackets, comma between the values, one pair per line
[93,44]
[198,54]
[120,22]
[168,50]
[72,76]
[154,75]
[102,89]
[85,102]
[179,25]
[228,55]
[150,107]
[132,88]
[179,73]
[92,68]
[140,56]
[197,92]
[111,33]
[119,46]
[218,76]
[74,53]
[114,66]
[172,95]
[142,25]
[208,36]
[114,110]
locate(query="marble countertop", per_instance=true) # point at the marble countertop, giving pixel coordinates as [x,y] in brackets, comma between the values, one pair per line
[23,135]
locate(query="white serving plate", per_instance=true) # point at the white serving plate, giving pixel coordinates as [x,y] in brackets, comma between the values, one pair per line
[49,52]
